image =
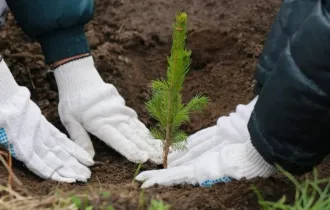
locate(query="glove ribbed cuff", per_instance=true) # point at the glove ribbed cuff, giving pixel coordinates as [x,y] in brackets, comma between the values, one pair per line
[75,76]
[252,163]
[8,85]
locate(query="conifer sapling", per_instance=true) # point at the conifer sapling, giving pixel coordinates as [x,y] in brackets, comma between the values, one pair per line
[165,104]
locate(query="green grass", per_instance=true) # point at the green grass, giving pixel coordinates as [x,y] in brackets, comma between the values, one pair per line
[311,194]
[158,205]
[59,200]
[81,203]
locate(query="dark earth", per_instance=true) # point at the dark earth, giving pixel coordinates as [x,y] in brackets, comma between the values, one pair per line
[130,40]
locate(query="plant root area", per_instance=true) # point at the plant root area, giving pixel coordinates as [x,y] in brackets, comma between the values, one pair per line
[130,41]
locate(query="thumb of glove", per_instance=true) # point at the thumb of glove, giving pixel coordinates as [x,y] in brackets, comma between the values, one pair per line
[77,133]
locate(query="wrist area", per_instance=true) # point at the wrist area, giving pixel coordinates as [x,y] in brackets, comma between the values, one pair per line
[77,76]
[243,160]
[64,43]
[8,85]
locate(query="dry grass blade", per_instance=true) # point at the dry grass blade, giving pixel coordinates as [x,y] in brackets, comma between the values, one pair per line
[9,169]
[13,200]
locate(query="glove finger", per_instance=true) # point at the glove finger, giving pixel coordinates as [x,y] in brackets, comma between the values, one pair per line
[240,126]
[39,167]
[110,107]
[214,149]
[176,155]
[141,126]
[234,126]
[67,171]
[59,178]
[115,120]
[80,172]
[226,129]
[42,147]
[252,104]
[144,132]
[196,151]
[78,134]
[194,140]
[165,181]
[45,153]
[200,136]
[140,142]
[73,149]
[61,167]
[167,177]
[145,175]
[77,152]
[120,143]
[129,133]
[244,112]
[55,157]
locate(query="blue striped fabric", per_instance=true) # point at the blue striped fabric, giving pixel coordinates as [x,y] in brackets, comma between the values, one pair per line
[4,142]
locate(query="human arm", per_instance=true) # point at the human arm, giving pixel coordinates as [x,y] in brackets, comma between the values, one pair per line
[289,123]
[86,103]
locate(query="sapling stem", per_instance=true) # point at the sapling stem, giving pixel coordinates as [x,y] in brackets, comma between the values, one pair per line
[166,104]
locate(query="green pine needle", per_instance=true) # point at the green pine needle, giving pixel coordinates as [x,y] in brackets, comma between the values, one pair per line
[165,104]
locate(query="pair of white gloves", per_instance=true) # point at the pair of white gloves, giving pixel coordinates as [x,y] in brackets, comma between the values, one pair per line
[88,104]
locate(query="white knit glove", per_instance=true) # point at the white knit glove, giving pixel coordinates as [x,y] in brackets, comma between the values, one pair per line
[232,127]
[30,138]
[227,150]
[88,104]
[233,161]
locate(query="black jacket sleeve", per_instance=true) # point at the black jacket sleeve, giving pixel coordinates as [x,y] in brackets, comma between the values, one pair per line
[58,25]
[288,20]
[290,124]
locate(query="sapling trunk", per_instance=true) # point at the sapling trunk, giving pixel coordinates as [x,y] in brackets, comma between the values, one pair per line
[166,150]
[166,104]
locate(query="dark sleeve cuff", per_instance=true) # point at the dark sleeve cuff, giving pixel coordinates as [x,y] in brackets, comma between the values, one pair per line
[64,43]
[273,152]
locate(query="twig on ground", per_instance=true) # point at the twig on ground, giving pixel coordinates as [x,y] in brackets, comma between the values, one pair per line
[13,200]
[8,166]
[120,29]
[30,76]
[24,55]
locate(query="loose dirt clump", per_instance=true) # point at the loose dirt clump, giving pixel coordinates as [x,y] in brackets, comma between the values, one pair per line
[130,41]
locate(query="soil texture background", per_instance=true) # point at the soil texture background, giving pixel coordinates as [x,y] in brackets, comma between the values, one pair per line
[130,40]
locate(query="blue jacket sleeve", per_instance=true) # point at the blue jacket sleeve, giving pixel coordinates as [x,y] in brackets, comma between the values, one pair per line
[290,124]
[58,25]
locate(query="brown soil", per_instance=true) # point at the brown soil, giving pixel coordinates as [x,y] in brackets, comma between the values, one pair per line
[130,40]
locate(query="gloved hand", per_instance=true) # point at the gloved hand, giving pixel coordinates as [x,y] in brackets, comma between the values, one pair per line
[233,160]
[3,12]
[227,150]
[232,127]
[30,138]
[88,104]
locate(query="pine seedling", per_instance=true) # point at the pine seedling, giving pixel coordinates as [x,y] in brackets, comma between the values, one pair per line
[165,104]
